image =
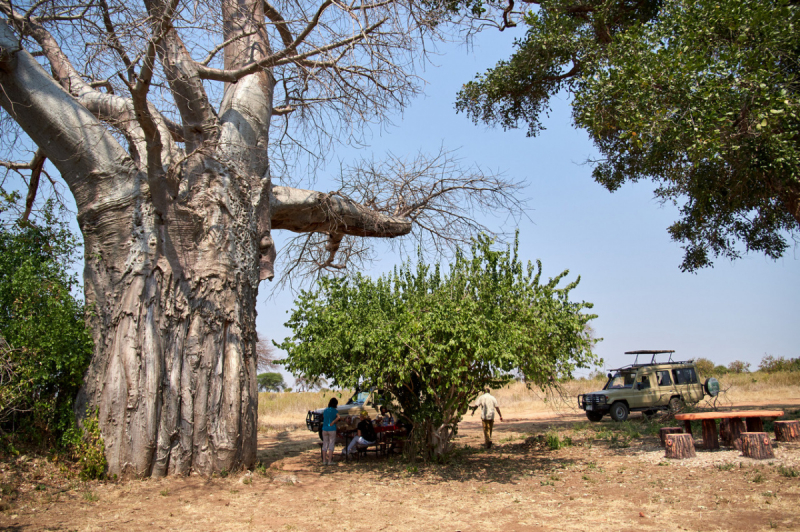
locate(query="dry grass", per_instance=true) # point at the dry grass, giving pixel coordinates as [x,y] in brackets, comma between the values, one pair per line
[287,411]
[761,387]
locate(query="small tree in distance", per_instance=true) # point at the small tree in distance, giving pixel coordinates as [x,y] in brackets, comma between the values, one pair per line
[737,366]
[270,382]
[265,355]
[434,340]
[704,367]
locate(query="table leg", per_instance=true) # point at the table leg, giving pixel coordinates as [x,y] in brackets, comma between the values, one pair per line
[737,426]
[754,424]
[710,439]
[688,425]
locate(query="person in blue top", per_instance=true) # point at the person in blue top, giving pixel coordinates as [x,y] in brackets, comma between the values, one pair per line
[329,418]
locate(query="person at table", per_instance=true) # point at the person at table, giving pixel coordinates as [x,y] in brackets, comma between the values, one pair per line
[366,433]
[330,416]
[386,417]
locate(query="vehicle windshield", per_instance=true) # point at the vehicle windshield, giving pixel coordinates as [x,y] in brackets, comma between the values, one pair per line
[360,397]
[621,379]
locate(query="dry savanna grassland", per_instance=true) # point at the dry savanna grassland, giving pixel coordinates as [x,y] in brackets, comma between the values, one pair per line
[550,469]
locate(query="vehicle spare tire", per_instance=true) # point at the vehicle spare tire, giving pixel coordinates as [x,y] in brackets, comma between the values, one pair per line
[711,387]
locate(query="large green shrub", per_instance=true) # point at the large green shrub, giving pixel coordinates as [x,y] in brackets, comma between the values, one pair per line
[46,346]
[434,339]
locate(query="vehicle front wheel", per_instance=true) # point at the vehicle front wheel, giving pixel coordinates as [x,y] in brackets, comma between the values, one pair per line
[619,411]
[594,416]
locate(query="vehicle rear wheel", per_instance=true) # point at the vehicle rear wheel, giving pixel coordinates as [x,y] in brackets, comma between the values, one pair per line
[320,432]
[674,404]
[594,416]
[619,411]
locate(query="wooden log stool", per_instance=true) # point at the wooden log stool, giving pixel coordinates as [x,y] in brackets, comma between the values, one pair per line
[679,446]
[787,431]
[756,445]
[667,430]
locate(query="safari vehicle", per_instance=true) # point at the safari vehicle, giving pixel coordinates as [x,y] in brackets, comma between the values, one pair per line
[369,401]
[647,387]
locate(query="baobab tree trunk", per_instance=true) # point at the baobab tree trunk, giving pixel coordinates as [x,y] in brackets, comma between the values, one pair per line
[173,381]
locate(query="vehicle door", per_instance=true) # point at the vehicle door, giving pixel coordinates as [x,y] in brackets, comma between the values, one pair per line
[644,393]
[665,386]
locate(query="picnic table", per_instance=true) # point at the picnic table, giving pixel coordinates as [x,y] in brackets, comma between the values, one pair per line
[736,423]
[386,436]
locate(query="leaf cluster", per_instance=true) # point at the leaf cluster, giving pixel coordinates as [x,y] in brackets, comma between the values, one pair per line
[698,96]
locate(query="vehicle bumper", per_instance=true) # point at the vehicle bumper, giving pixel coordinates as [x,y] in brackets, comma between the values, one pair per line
[593,403]
[313,421]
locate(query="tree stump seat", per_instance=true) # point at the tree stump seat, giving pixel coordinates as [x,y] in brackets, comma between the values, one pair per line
[787,431]
[662,433]
[756,445]
[679,446]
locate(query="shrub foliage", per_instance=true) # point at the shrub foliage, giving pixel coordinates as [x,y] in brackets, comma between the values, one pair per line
[433,340]
[45,346]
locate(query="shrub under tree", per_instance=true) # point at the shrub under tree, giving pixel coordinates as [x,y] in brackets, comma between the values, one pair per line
[45,346]
[434,340]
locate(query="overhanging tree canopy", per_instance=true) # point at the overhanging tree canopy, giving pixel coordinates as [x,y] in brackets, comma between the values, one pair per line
[699,96]
[434,339]
[158,115]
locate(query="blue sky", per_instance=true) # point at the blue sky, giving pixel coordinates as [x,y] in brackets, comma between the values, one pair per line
[617,243]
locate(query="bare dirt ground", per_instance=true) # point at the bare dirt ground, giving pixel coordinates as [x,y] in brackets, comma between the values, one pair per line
[601,481]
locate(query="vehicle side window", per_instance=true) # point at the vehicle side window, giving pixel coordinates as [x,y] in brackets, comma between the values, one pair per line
[685,376]
[663,378]
[644,382]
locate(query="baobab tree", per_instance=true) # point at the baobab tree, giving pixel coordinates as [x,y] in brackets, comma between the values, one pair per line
[170,123]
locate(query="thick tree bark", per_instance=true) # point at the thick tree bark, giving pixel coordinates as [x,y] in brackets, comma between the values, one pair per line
[174,379]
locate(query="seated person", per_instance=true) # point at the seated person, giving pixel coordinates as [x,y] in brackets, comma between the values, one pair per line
[386,417]
[366,433]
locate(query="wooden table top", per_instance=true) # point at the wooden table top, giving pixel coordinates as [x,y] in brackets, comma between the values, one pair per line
[727,415]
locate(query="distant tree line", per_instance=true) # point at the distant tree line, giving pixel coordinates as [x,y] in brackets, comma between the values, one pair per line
[768,364]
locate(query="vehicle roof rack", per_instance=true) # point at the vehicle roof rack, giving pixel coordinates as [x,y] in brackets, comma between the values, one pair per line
[652,352]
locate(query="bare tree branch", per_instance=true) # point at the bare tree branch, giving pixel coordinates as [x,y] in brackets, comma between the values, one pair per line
[439,200]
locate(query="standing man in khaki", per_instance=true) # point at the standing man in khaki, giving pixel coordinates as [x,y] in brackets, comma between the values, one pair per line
[488,404]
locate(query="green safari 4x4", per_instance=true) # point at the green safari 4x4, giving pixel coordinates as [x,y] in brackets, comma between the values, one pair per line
[647,387]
